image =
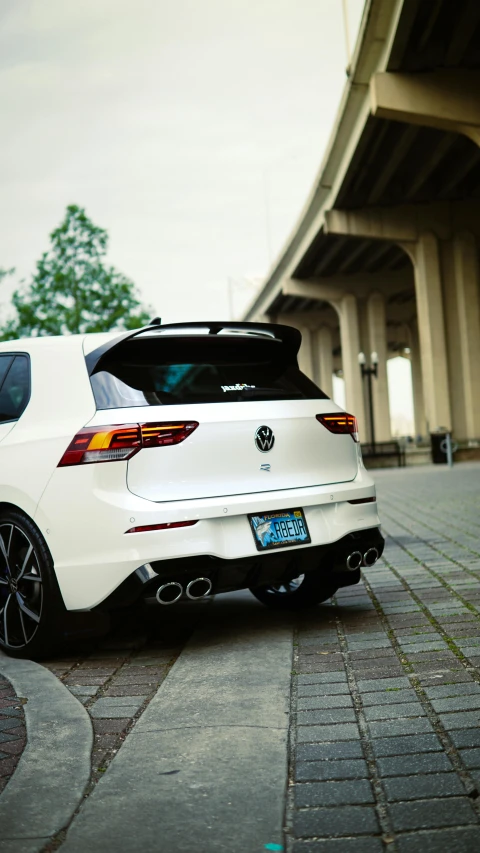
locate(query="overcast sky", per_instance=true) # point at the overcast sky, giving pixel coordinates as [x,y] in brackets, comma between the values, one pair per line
[191,130]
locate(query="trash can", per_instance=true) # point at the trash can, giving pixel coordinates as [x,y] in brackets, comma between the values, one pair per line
[439,456]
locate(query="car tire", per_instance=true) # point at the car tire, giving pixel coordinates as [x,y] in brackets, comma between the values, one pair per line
[31,607]
[297,594]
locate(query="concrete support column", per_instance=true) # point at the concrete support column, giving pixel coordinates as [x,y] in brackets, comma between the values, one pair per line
[417,383]
[454,345]
[366,349]
[325,359]
[377,333]
[350,339]
[305,355]
[467,288]
[428,285]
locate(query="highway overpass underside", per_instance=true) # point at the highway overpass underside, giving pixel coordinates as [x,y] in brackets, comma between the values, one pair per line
[385,257]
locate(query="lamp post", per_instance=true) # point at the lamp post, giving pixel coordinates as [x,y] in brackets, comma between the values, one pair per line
[369,371]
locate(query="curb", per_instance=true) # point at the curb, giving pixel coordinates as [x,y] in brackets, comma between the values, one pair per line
[13,740]
[54,769]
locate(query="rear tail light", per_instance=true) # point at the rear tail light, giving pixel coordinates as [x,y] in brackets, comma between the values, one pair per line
[340,423]
[103,444]
[161,435]
[113,443]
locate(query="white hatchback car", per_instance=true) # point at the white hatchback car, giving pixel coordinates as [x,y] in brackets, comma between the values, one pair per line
[172,461]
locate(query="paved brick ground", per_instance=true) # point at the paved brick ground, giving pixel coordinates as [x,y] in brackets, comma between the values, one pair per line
[13,736]
[116,678]
[386,747]
[386,696]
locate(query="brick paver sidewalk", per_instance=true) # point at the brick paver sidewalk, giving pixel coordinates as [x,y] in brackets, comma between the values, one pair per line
[117,678]
[387,697]
[13,736]
[385,742]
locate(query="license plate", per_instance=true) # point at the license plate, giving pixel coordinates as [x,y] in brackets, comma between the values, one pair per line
[279,529]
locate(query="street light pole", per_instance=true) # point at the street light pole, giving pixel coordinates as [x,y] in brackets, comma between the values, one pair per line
[369,371]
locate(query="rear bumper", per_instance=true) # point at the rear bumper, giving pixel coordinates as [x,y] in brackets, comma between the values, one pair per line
[329,561]
[85,512]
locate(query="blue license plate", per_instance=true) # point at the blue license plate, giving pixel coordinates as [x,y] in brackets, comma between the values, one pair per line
[279,529]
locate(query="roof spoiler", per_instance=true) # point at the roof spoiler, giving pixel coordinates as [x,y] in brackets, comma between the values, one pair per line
[287,335]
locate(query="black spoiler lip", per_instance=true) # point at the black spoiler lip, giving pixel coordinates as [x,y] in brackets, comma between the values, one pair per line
[288,335]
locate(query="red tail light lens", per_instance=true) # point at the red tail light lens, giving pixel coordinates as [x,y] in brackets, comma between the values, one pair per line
[102,444]
[146,527]
[113,443]
[340,423]
[161,435]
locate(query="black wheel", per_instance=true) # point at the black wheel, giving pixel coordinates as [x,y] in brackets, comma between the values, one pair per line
[31,609]
[296,594]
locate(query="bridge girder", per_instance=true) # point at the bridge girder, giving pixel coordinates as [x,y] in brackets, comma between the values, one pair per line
[441,99]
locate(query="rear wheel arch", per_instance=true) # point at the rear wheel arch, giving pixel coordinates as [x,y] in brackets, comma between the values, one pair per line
[18,500]
[31,606]
[6,506]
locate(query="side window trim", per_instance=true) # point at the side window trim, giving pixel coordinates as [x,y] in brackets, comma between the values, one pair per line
[14,355]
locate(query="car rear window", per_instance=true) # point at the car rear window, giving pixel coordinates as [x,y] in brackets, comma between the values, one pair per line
[210,369]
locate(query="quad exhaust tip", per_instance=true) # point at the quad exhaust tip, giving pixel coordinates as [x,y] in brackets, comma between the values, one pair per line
[169,592]
[354,560]
[370,557]
[357,559]
[199,588]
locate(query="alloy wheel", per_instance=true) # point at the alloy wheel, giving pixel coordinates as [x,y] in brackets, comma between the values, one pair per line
[21,592]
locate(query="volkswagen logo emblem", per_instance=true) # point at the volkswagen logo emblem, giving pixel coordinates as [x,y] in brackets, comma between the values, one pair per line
[264,439]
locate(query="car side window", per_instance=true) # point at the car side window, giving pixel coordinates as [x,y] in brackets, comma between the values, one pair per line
[5,362]
[15,388]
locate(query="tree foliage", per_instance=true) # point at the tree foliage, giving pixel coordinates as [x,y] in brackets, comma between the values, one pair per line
[73,289]
[4,273]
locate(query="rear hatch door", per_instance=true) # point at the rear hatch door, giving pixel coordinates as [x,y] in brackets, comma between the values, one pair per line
[255,415]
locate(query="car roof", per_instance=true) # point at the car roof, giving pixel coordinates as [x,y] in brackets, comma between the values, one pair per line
[56,342]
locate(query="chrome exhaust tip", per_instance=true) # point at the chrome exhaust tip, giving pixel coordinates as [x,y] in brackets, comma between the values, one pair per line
[199,588]
[354,561]
[370,557]
[169,592]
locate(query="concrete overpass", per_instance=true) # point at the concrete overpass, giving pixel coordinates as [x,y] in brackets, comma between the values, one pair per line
[385,256]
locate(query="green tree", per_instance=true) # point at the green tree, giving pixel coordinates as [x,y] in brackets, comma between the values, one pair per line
[4,273]
[73,289]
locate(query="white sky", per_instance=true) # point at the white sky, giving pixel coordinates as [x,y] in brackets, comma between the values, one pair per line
[192,130]
[399,371]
